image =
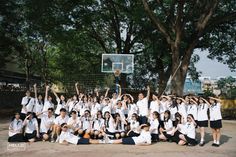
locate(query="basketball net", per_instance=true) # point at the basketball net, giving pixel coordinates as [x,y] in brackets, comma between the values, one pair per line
[117,72]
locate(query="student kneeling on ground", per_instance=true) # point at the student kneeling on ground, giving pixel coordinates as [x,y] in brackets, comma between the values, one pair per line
[67,137]
[143,139]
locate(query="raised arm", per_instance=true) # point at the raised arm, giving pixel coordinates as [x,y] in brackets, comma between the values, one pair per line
[76,88]
[205,101]
[148,92]
[218,100]
[107,92]
[54,93]
[96,91]
[46,93]
[119,94]
[35,91]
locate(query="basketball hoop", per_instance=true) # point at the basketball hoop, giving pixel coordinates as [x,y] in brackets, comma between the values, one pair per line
[117,72]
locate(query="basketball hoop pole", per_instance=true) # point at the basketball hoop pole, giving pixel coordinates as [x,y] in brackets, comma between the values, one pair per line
[117,73]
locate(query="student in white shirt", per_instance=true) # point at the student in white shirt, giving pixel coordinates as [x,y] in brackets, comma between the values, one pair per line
[154,126]
[109,124]
[173,108]
[47,101]
[143,106]
[74,105]
[154,105]
[164,103]
[215,120]
[98,126]
[202,117]
[95,107]
[86,124]
[134,126]
[182,108]
[119,126]
[31,127]
[61,102]
[166,131]
[66,137]
[15,130]
[120,108]
[106,106]
[38,103]
[188,132]
[74,123]
[143,139]
[46,125]
[192,108]
[62,118]
[27,103]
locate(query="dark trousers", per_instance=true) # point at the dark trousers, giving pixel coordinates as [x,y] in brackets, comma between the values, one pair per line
[17,138]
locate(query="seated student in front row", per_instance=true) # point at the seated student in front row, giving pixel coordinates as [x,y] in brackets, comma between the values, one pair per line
[15,130]
[143,139]
[166,131]
[187,132]
[67,137]
[154,126]
[46,125]
[31,127]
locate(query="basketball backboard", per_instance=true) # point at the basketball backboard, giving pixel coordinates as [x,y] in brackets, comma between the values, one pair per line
[113,62]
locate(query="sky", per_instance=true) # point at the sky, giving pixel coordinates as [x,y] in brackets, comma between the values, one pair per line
[212,68]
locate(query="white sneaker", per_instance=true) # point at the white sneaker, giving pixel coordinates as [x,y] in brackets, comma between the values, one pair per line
[106,138]
[57,140]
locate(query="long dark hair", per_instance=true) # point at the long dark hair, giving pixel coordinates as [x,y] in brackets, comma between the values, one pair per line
[119,122]
[106,122]
[166,119]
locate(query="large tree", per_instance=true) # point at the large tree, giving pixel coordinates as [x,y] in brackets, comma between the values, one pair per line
[187,25]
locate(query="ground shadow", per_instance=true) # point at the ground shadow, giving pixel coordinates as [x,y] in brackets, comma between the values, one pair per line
[208,138]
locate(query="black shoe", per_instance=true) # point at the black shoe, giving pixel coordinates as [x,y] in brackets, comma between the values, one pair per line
[201,144]
[214,145]
[217,145]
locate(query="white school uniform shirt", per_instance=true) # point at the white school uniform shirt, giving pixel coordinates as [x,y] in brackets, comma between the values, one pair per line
[95,108]
[121,111]
[60,105]
[163,107]
[31,125]
[168,126]
[72,105]
[69,137]
[182,110]
[154,106]
[83,107]
[15,127]
[190,130]
[38,106]
[98,124]
[132,108]
[106,108]
[120,127]
[134,126]
[86,123]
[143,138]
[59,120]
[154,124]
[192,109]
[143,107]
[46,123]
[202,112]
[47,105]
[173,110]
[182,129]
[113,104]
[28,102]
[75,123]
[111,127]
[215,112]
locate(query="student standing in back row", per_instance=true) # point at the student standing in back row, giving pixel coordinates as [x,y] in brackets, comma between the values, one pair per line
[27,103]
[143,106]
[215,120]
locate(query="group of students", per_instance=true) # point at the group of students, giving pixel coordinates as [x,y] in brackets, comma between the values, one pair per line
[91,118]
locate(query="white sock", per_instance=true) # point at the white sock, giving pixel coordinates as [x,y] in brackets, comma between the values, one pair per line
[214,141]
[217,142]
[202,140]
[111,141]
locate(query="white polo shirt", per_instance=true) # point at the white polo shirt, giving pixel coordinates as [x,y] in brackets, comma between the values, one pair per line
[215,112]
[28,102]
[143,107]
[202,112]
[31,125]
[144,138]
[69,137]
[154,124]
[59,120]
[46,123]
[15,127]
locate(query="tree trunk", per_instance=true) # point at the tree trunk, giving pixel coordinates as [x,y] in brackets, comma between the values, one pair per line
[27,74]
